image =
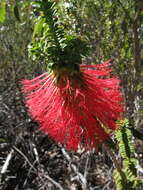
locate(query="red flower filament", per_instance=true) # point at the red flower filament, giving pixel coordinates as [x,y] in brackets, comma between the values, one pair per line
[76,109]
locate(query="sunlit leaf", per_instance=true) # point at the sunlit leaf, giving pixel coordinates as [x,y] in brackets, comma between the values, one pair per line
[2,10]
[38,27]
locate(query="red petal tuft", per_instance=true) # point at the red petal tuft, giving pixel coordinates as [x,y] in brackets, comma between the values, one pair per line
[78,111]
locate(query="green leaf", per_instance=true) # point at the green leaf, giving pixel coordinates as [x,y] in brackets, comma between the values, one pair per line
[2,10]
[38,27]
[16,13]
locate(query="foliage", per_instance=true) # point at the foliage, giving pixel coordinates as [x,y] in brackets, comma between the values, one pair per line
[127,178]
[50,44]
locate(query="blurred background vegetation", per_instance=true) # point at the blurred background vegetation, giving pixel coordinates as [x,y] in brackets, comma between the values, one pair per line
[112,29]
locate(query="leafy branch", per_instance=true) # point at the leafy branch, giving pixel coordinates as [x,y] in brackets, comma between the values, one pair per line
[50,44]
[127,178]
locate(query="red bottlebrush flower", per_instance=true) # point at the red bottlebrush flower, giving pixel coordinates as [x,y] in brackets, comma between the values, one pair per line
[76,109]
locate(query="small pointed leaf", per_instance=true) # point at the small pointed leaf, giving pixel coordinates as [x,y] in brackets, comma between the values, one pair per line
[38,27]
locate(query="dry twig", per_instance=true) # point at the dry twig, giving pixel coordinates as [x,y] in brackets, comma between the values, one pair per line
[6,164]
